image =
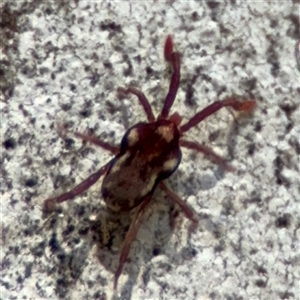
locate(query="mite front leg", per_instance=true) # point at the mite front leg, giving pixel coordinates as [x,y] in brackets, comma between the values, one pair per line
[184,207]
[130,237]
[208,152]
[94,140]
[174,59]
[143,101]
[49,204]
[214,107]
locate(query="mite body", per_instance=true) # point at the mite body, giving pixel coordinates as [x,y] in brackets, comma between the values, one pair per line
[148,154]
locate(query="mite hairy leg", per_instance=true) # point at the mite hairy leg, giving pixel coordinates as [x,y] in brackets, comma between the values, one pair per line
[96,141]
[130,237]
[49,204]
[214,107]
[142,98]
[174,59]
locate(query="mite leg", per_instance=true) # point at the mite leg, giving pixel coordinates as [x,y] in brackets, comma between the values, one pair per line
[50,203]
[208,152]
[174,59]
[142,98]
[184,207]
[94,140]
[214,107]
[130,237]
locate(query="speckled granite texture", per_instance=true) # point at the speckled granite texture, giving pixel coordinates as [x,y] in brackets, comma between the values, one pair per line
[60,67]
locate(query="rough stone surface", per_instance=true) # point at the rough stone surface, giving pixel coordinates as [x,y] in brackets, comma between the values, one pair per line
[60,67]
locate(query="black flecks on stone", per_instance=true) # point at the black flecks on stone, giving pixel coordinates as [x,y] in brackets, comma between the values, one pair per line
[155,251]
[43,70]
[95,57]
[94,78]
[137,58]
[256,199]
[9,143]
[146,276]
[50,162]
[257,126]
[111,108]
[69,229]
[273,23]
[253,251]
[62,257]
[189,253]
[85,113]
[283,221]
[127,71]
[249,84]
[227,208]
[80,20]
[40,84]
[8,18]
[76,240]
[53,76]
[273,59]
[110,26]
[69,143]
[289,127]
[39,249]
[20,279]
[53,243]
[31,182]
[251,149]
[48,11]
[14,250]
[86,151]
[278,166]
[261,270]
[278,163]
[219,247]
[294,142]
[294,31]
[12,202]
[28,270]
[5,284]
[189,96]
[212,4]
[83,231]
[195,16]
[107,64]
[27,231]
[260,283]
[213,135]
[24,111]
[286,295]
[288,108]
[99,296]
[149,70]
[80,211]
[63,282]
[24,137]
[225,32]
[72,87]
[66,106]
[217,232]
[27,198]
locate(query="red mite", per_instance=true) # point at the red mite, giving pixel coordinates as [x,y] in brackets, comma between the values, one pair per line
[148,154]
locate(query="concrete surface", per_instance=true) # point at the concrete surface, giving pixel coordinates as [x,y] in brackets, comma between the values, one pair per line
[60,67]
